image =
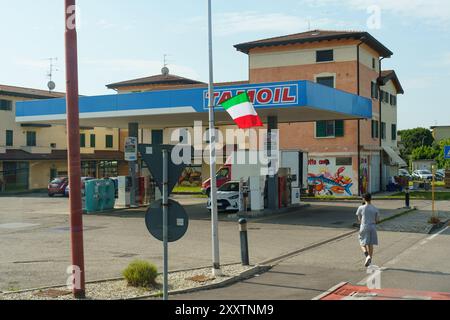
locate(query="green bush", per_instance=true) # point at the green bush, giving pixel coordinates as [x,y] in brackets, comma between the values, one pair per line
[141,274]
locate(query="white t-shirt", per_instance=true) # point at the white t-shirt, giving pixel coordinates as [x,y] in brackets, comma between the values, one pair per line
[368,214]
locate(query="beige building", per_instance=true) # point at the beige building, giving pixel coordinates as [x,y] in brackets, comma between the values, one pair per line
[32,154]
[441,133]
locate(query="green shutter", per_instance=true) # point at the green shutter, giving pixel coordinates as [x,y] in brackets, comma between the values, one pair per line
[394,132]
[339,128]
[109,141]
[321,130]
[82,140]
[92,140]
[9,138]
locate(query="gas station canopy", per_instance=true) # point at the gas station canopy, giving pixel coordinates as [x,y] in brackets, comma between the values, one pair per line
[293,101]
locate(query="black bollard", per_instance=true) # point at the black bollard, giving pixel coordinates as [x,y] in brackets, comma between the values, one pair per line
[407,199]
[244,242]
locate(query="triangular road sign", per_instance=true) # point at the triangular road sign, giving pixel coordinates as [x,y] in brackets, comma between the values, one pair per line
[153,157]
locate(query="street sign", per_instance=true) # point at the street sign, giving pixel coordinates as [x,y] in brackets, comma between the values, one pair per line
[447,152]
[153,157]
[178,221]
[131,144]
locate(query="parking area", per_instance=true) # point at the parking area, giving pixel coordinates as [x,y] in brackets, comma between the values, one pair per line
[35,238]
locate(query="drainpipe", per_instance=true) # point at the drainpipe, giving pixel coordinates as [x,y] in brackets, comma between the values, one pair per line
[381,126]
[358,77]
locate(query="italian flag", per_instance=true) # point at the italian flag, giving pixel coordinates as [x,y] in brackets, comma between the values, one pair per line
[242,111]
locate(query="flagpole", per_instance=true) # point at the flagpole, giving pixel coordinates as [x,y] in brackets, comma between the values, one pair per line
[212,154]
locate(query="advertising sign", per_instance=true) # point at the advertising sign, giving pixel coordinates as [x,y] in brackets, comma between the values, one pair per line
[131,145]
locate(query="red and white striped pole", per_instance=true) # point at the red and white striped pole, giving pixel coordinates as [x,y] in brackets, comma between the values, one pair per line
[73,150]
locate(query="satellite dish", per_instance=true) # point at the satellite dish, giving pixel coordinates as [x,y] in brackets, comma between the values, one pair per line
[51,85]
[165,71]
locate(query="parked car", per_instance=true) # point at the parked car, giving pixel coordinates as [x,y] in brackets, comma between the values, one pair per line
[404,173]
[440,175]
[422,175]
[223,176]
[227,197]
[57,186]
[83,181]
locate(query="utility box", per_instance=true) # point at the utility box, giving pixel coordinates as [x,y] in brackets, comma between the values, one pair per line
[99,195]
[297,162]
[296,196]
[257,185]
[124,191]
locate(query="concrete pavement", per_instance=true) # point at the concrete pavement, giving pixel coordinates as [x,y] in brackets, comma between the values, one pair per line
[35,246]
[409,260]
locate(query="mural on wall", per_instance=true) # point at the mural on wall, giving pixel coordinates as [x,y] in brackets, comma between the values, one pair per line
[329,179]
[191,177]
[364,175]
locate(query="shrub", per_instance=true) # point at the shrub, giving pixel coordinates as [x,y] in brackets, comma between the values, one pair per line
[141,274]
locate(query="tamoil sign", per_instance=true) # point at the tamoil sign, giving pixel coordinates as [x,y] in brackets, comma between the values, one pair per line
[260,95]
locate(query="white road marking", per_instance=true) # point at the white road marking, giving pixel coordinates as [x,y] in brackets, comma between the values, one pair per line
[11,226]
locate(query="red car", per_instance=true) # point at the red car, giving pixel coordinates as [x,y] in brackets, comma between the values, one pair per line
[58,186]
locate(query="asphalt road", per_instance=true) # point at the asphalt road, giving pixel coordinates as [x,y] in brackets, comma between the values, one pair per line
[35,239]
[409,261]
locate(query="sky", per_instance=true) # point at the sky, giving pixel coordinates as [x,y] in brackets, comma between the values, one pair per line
[122,40]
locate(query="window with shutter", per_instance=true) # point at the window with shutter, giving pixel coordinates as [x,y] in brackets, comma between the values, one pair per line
[82,140]
[321,129]
[324,55]
[339,128]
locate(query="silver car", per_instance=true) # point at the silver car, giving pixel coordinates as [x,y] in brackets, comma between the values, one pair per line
[422,175]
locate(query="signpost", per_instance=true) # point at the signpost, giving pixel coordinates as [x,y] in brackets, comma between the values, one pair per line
[447,152]
[166,219]
[73,151]
[131,149]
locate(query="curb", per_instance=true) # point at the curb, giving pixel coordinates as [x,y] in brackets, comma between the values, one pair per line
[243,276]
[329,291]
[438,226]
[319,244]
[103,280]
[279,259]
[398,215]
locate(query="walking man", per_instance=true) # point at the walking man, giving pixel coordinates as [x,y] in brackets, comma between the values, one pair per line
[369,217]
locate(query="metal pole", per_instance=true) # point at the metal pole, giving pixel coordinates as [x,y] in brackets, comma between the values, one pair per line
[433,169]
[73,149]
[407,198]
[244,242]
[133,132]
[166,221]
[212,154]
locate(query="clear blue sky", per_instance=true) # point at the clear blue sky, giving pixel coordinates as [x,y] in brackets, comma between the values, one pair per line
[121,40]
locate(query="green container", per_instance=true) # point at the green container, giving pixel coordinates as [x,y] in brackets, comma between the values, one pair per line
[100,195]
[92,196]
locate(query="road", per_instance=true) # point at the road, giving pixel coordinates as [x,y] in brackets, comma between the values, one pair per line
[35,244]
[409,261]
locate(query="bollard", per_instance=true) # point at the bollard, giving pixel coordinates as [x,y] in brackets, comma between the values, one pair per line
[407,199]
[244,242]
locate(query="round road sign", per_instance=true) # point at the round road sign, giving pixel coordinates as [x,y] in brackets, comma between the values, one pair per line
[178,220]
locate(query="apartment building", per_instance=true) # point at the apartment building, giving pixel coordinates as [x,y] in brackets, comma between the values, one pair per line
[357,152]
[32,154]
[440,133]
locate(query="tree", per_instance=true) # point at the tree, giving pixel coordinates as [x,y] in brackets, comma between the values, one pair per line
[425,153]
[415,138]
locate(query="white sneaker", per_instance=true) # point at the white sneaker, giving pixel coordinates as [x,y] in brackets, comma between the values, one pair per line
[368,261]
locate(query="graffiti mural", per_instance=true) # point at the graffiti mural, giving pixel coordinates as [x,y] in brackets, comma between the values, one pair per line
[330,180]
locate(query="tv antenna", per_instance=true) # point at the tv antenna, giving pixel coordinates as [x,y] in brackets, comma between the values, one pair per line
[165,70]
[52,68]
